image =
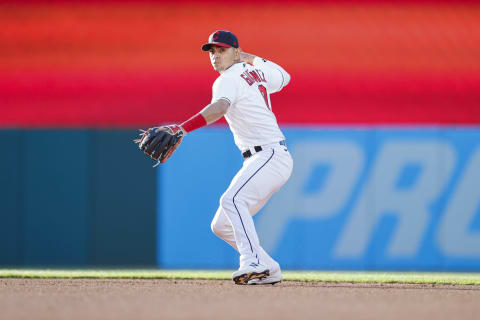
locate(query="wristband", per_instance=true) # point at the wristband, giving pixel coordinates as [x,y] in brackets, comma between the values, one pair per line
[195,122]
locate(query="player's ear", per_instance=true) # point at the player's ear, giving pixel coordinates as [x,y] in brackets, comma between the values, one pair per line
[237,53]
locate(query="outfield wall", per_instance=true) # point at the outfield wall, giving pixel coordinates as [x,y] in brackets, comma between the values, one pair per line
[405,198]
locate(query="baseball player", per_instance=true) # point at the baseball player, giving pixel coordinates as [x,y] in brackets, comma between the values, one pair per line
[241,94]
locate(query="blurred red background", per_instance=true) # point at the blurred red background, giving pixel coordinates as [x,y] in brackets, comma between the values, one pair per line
[130,63]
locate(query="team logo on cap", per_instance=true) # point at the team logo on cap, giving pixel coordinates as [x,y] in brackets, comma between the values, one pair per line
[215,36]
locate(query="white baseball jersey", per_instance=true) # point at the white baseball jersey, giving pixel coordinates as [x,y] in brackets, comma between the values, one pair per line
[247,88]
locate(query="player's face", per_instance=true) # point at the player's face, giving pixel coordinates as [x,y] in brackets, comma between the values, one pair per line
[222,58]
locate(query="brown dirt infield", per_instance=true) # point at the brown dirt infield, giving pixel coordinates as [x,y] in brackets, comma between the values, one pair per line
[207,299]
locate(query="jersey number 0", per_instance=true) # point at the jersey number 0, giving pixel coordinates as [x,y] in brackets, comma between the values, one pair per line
[263,91]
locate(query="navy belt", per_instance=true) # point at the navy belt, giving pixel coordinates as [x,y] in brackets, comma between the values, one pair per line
[248,153]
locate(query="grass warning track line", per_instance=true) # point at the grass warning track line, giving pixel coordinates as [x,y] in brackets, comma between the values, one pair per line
[306,276]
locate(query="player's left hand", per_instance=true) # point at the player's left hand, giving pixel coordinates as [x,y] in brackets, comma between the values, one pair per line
[160,142]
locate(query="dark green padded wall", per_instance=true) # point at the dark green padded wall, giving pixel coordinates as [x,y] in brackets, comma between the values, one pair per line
[55,197]
[123,191]
[76,197]
[11,210]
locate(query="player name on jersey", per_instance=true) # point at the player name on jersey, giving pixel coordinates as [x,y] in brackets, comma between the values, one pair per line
[253,76]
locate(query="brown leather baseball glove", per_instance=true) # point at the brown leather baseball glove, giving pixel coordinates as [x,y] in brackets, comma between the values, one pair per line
[160,142]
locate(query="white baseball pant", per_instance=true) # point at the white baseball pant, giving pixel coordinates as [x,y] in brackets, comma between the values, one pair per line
[261,175]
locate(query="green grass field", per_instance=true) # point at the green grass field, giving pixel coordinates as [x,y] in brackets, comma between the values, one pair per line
[324,276]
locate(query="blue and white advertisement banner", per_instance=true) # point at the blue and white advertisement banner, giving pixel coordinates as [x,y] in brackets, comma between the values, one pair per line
[358,199]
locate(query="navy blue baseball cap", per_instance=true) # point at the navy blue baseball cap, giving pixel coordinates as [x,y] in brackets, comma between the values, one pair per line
[221,38]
